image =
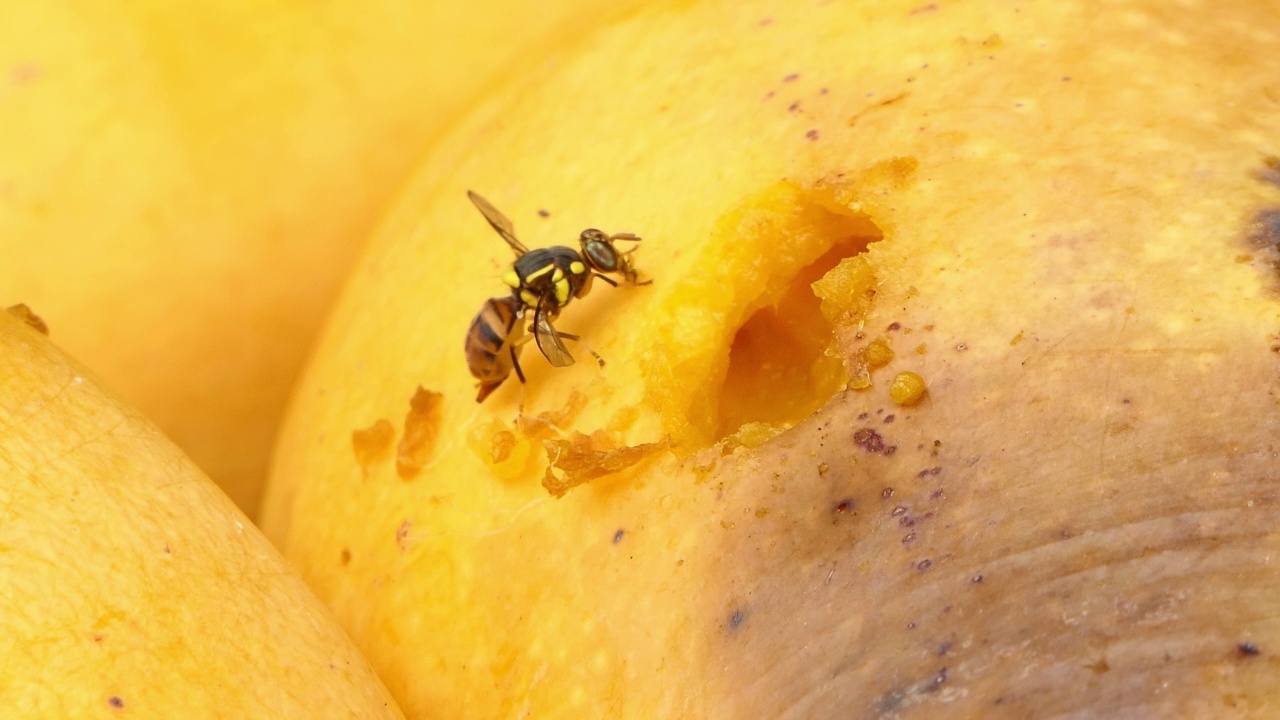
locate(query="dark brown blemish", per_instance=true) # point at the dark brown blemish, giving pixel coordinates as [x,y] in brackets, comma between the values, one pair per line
[929,472]
[736,619]
[794,107]
[791,78]
[924,564]
[909,538]
[898,511]
[886,493]
[1099,667]
[894,326]
[373,444]
[1270,172]
[1265,232]
[872,442]
[976,579]
[943,649]
[345,558]
[24,313]
[617,536]
[402,535]
[931,7]
[116,702]
[842,507]
[961,347]
[97,638]
[1248,649]
[811,135]
[888,419]
[421,428]
[937,494]
[883,103]
[166,549]
[544,213]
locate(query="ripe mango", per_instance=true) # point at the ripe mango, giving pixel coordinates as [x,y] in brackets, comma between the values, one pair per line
[1061,218]
[132,586]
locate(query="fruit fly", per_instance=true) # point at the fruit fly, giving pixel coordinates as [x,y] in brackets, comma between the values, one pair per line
[543,280]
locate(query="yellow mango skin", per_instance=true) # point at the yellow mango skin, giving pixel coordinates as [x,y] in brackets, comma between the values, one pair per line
[1076,520]
[183,185]
[133,586]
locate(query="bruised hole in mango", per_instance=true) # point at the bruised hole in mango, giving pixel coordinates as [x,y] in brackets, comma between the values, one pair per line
[780,368]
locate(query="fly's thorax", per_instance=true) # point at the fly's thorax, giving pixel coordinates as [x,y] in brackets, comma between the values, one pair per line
[549,277]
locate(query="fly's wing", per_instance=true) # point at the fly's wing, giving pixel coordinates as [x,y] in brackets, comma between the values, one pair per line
[549,341]
[499,222]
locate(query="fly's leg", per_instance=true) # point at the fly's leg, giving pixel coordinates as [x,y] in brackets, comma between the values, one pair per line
[579,340]
[515,362]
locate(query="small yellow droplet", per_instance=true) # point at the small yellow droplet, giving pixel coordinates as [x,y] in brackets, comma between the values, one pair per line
[907,388]
[877,354]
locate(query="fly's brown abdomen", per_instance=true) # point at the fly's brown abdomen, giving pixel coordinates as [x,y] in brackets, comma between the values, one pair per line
[494,335]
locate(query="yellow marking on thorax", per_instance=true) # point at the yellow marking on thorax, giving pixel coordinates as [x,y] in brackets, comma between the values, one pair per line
[562,291]
[529,298]
[511,278]
[577,268]
[540,272]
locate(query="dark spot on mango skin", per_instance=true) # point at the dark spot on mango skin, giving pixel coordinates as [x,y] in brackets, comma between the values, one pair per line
[116,702]
[1248,649]
[736,619]
[1264,233]
[871,441]
[617,537]
[1270,172]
